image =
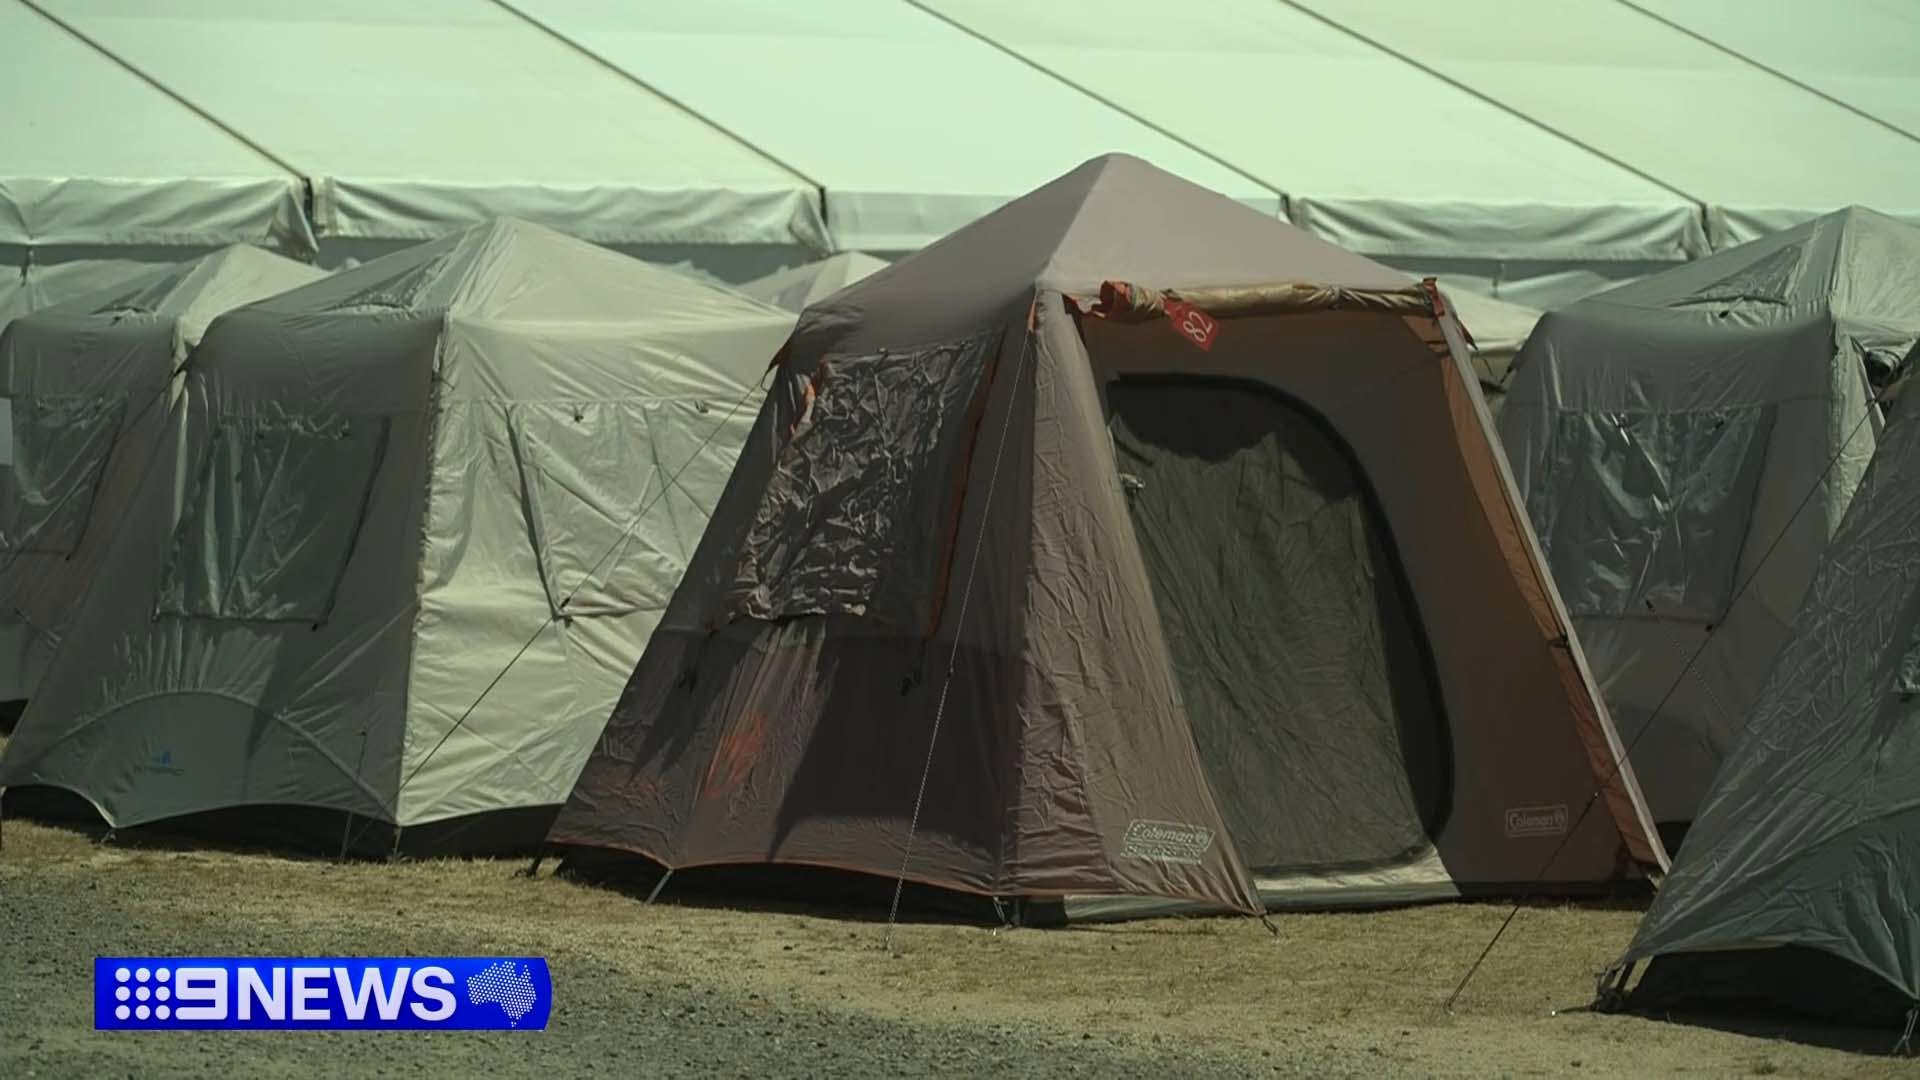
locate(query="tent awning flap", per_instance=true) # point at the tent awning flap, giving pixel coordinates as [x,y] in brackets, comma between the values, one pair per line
[1621,232]
[159,212]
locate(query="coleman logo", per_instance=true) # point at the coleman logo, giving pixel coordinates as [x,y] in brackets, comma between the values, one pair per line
[1166,841]
[1537,820]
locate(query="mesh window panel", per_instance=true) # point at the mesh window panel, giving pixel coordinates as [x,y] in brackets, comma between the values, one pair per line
[858,512]
[272,520]
[610,540]
[1296,647]
[1645,514]
[60,448]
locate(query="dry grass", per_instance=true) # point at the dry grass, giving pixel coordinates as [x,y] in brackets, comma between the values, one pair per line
[1364,989]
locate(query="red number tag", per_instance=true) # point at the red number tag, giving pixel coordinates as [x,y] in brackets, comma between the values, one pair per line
[1193,324]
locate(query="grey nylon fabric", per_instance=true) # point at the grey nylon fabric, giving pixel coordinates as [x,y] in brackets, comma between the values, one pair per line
[60,447]
[1811,834]
[89,384]
[1694,431]
[398,479]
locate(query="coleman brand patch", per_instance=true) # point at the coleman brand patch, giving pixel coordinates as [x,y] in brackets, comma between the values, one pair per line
[1166,841]
[1536,820]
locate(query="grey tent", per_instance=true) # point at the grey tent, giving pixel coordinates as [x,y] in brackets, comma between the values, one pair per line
[434,506]
[1239,606]
[89,385]
[799,288]
[1694,431]
[1797,886]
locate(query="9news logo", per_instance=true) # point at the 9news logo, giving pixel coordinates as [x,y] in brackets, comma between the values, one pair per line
[289,993]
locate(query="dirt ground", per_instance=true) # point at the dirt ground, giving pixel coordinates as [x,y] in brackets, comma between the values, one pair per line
[681,990]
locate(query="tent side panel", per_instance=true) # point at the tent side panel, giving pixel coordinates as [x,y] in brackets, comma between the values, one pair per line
[199,675]
[784,710]
[1809,836]
[1516,707]
[1112,795]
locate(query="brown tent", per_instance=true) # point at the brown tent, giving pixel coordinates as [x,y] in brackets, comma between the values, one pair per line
[1237,624]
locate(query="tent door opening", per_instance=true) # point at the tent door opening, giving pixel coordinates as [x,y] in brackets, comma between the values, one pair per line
[1289,621]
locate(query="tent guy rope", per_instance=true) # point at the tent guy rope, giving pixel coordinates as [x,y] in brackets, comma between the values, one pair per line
[959,626]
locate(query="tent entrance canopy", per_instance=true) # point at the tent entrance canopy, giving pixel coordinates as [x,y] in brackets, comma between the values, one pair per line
[1289,621]
[1458,768]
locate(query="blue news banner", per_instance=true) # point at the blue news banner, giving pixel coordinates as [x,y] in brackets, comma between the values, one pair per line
[160,993]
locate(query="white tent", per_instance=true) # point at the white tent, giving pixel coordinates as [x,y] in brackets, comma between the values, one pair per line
[414,119]
[1667,89]
[1373,152]
[89,385]
[103,176]
[1534,153]
[434,508]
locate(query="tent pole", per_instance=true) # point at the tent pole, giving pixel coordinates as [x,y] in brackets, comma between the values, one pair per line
[1904,1047]
[658,885]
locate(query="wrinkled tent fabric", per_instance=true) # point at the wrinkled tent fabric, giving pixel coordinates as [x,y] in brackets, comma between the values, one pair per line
[799,288]
[954,460]
[89,385]
[433,508]
[1796,885]
[1698,430]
